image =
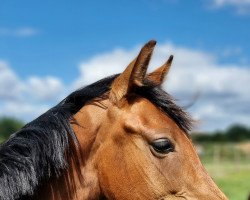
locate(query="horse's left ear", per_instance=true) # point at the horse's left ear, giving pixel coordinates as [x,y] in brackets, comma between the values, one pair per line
[157,76]
[134,74]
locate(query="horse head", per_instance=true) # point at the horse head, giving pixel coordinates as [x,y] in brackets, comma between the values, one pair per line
[140,147]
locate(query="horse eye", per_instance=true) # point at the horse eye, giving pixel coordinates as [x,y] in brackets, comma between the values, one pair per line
[163,145]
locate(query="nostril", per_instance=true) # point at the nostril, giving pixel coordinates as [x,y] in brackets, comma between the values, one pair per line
[173,192]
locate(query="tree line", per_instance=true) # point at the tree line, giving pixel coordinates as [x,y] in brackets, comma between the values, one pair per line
[235,133]
[8,126]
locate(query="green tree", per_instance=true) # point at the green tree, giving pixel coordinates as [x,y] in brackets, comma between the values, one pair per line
[238,133]
[8,126]
[235,133]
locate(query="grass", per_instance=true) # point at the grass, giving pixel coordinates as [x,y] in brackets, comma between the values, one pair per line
[233,179]
[231,170]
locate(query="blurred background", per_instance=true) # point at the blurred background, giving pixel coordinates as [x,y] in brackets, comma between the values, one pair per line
[50,48]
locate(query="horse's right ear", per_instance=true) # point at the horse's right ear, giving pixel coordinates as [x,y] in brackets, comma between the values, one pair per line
[134,74]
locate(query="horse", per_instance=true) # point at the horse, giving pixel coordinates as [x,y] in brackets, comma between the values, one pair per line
[122,137]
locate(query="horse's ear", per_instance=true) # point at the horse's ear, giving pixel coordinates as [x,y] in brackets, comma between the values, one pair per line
[157,76]
[134,74]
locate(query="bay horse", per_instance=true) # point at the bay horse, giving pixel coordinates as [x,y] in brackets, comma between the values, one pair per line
[122,138]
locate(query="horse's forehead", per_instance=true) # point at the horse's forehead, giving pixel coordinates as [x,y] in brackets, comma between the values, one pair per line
[148,114]
[145,109]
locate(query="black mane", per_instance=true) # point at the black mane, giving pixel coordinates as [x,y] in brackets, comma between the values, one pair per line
[37,151]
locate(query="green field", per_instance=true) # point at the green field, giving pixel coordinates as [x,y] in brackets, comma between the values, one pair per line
[229,165]
[232,178]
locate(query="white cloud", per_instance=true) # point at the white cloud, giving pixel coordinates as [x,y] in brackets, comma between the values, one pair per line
[18,32]
[221,87]
[38,88]
[23,110]
[242,6]
[10,86]
[47,88]
[27,98]
[103,65]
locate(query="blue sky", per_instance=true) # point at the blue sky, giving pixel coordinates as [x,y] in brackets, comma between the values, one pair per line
[50,42]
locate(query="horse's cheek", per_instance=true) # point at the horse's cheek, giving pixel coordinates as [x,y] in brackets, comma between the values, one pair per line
[120,173]
[112,174]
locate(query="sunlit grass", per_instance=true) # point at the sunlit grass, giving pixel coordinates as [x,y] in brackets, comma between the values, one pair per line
[233,178]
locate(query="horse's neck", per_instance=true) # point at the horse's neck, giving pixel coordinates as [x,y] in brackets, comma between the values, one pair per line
[78,181]
[73,184]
